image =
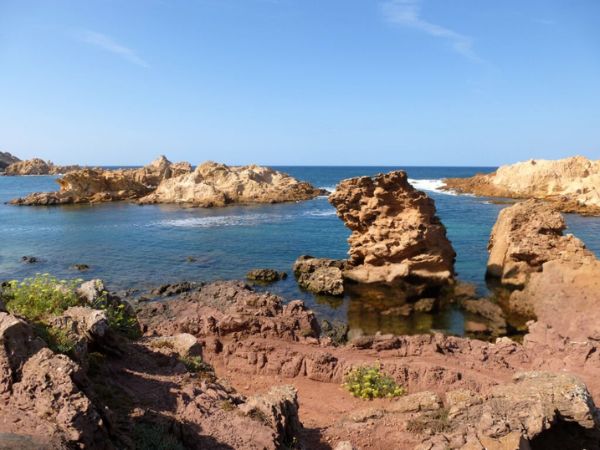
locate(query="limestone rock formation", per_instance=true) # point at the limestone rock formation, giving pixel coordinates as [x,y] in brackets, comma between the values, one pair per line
[320,275]
[571,184]
[213,184]
[99,185]
[526,236]
[161,181]
[37,166]
[396,235]
[6,159]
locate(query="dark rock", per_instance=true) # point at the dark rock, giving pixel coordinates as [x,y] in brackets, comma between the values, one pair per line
[169,290]
[29,259]
[266,275]
[80,267]
[320,275]
[337,331]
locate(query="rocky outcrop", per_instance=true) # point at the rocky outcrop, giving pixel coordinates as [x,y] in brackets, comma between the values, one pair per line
[320,275]
[37,166]
[6,159]
[213,184]
[542,409]
[155,392]
[161,181]
[396,235]
[99,185]
[526,236]
[570,184]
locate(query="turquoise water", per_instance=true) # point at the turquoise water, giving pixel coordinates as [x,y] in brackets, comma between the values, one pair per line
[134,246]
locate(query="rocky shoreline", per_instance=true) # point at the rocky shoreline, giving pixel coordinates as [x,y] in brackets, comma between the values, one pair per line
[571,185]
[222,365]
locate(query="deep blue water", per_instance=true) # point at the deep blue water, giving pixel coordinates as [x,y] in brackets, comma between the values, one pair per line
[142,246]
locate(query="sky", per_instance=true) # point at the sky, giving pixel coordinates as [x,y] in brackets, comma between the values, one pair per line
[300,82]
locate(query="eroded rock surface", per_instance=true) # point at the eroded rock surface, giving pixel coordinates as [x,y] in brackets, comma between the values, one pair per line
[37,166]
[214,184]
[320,275]
[527,235]
[570,184]
[100,185]
[396,235]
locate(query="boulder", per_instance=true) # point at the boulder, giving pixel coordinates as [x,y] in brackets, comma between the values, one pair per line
[184,344]
[265,275]
[320,275]
[526,236]
[570,184]
[279,409]
[396,235]
[214,184]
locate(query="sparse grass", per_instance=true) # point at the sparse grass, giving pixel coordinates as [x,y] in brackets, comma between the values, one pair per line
[259,416]
[434,422]
[227,405]
[40,297]
[367,382]
[154,437]
[119,318]
[58,340]
[161,343]
[195,364]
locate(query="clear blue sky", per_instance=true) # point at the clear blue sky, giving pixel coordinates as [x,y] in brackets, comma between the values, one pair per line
[412,82]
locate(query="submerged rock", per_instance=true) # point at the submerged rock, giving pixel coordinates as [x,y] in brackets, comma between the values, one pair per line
[570,184]
[265,275]
[396,235]
[320,275]
[526,236]
[29,259]
[214,184]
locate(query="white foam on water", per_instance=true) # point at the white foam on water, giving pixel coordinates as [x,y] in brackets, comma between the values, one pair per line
[320,213]
[432,185]
[223,221]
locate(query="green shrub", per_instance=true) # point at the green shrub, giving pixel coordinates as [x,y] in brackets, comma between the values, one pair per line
[197,365]
[58,340]
[434,422]
[40,297]
[368,382]
[154,437]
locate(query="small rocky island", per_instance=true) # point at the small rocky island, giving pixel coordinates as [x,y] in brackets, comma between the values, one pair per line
[161,181]
[570,184]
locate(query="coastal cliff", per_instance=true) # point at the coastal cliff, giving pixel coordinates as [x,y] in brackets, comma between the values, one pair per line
[570,184]
[396,235]
[211,184]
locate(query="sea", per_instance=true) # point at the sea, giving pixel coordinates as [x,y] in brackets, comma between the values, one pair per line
[139,247]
